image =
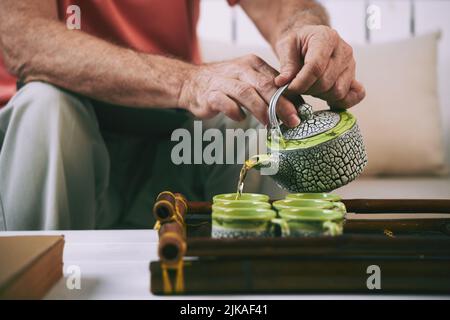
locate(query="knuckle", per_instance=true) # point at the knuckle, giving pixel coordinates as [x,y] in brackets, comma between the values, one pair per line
[330,35]
[265,84]
[280,44]
[289,66]
[283,42]
[324,29]
[334,35]
[245,91]
[317,69]
[325,85]
[339,92]
[253,59]
[213,99]
[348,50]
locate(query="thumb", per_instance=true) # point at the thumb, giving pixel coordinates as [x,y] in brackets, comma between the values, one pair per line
[290,62]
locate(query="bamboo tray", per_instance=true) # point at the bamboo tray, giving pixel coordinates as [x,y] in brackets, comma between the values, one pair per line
[408,239]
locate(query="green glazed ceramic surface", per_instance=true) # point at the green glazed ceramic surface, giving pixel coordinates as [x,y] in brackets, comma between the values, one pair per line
[242,214]
[346,122]
[241,222]
[333,198]
[311,214]
[244,197]
[299,203]
[314,196]
[312,222]
[240,204]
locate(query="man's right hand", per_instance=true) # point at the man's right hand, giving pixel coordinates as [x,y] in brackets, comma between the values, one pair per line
[227,86]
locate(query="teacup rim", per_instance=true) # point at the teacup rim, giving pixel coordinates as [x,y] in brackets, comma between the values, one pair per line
[333,214]
[324,196]
[317,201]
[235,204]
[219,196]
[240,201]
[256,214]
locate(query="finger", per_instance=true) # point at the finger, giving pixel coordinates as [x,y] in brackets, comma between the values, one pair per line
[265,87]
[267,70]
[327,80]
[247,96]
[353,97]
[317,57]
[287,113]
[286,109]
[338,63]
[219,101]
[341,87]
[263,83]
[290,60]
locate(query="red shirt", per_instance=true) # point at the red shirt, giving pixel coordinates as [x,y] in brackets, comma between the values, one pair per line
[151,26]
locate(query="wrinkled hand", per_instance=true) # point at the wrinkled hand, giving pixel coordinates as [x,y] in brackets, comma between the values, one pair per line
[246,82]
[319,63]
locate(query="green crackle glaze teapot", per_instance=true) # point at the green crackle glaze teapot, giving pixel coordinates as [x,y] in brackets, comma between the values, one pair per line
[324,152]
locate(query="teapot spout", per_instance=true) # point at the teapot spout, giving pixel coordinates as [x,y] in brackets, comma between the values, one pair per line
[266,163]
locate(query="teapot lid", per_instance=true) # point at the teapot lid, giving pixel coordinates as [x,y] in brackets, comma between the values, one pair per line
[311,125]
[314,128]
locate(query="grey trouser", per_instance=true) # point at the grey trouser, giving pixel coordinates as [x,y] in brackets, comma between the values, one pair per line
[58,170]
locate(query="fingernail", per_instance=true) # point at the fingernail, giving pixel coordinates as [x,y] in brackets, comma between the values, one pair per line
[293,120]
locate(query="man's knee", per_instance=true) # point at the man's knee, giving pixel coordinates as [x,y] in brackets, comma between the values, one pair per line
[42,102]
[44,116]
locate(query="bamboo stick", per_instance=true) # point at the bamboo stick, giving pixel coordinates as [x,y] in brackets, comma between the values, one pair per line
[170,210]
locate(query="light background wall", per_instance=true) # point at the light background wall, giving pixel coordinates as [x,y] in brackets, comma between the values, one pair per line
[400,19]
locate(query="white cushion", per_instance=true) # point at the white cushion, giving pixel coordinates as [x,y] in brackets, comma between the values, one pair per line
[397,188]
[400,117]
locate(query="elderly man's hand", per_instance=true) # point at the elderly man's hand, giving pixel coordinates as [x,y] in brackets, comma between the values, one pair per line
[319,63]
[227,86]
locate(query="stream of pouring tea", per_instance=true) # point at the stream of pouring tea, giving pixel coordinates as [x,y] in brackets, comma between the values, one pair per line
[248,164]
[278,141]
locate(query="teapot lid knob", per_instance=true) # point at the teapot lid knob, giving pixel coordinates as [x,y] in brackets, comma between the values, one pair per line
[305,112]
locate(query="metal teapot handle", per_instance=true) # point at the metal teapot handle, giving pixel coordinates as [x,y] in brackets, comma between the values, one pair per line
[304,111]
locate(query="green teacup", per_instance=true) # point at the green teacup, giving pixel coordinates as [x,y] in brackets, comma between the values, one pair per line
[244,197]
[314,196]
[310,222]
[334,198]
[241,222]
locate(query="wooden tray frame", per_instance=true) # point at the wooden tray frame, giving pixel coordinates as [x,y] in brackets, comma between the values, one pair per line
[414,257]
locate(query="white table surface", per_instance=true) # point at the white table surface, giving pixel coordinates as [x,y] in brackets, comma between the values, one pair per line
[114,264]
